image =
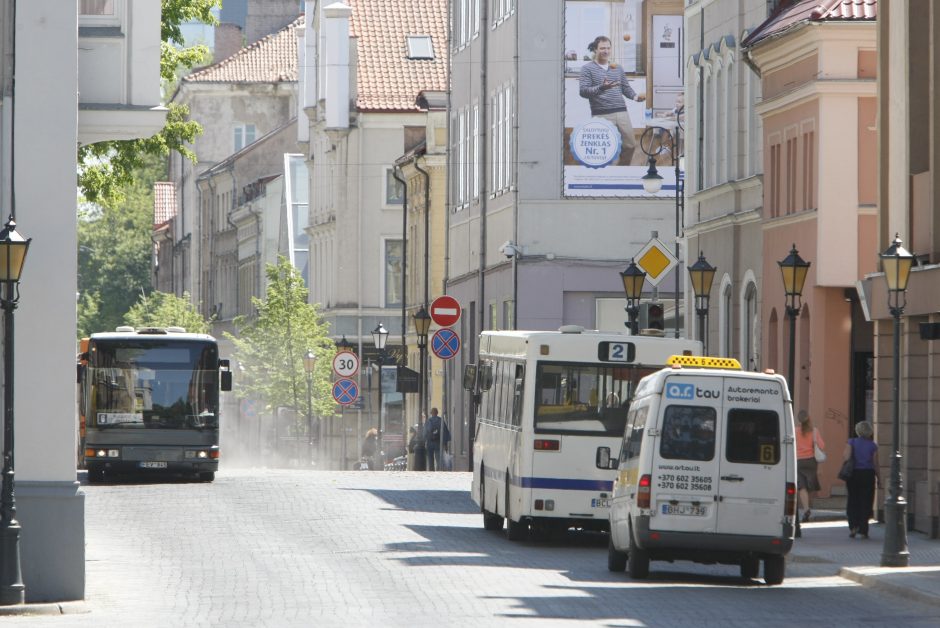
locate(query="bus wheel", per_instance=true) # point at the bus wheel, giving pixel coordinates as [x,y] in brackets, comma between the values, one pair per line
[515,530]
[774,569]
[638,561]
[207,476]
[491,521]
[95,475]
[616,560]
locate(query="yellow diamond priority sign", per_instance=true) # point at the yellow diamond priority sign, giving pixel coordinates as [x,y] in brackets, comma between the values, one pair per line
[656,261]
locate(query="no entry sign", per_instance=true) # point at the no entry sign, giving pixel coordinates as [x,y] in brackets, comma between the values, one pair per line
[445,311]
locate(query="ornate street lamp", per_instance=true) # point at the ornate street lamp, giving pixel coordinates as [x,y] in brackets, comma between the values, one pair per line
[633,280]
[652,143]
[896,263]
[310,361]
[702,275]
[422,324]
[13,248]
[379,337]
[793,269]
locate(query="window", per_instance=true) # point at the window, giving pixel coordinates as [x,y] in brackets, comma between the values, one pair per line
[509,314]
[751,325]
[96,7]
[753,437]
[633,435]
[502,106]
[420,47]
[394,190]
[392,273]
[502,9]
[475,165]
[688,433]
[244,135]
[727,320]
[809,148]
[494,324]
[466,21]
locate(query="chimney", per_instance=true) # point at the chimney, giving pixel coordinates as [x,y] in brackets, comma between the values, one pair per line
[228,41]
[336,28]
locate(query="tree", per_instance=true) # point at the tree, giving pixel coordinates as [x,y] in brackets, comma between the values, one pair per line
[161,309]
[114,253]
[270,346]
[107,167]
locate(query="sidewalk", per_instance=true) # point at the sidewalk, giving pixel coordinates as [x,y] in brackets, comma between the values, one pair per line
[826,540]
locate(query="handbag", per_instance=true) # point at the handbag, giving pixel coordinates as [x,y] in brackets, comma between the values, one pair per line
[818,452]
[848,467]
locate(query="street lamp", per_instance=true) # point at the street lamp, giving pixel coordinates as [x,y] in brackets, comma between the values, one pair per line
[896,263]
[310,361]
[653,181]
[13,249]
[633,279]
[379,337]
[793,269]
[422,325]
[702,275]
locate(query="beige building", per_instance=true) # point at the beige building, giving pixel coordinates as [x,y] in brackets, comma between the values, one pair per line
[908,184]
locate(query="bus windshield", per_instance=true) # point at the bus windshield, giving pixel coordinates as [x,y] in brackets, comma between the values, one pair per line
[138,385]
[584,398]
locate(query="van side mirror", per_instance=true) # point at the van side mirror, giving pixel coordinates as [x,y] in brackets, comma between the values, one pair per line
[225,375]
[603,460]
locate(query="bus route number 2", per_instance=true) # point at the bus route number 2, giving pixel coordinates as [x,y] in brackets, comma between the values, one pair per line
[617,351]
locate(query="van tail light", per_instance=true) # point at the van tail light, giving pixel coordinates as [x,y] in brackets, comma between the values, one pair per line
[643,491]
[790,509]
[545,444]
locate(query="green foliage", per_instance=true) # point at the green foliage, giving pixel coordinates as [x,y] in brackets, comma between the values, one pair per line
[114,253]
[270,346]
[107,167]
[162,309]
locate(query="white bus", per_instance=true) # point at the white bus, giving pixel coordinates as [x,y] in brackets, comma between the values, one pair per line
[547,402]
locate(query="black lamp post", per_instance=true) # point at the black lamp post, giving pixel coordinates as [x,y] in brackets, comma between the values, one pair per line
[422,326]
[793,270]
[702,275]
[653,142]
[379,337]
[897,264]
[310,361]
[13,249]
[633,279]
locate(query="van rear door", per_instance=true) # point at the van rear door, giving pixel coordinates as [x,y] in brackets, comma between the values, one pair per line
[752,479]
[686,458]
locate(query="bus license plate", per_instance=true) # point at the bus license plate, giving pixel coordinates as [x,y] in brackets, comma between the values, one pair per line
[600,503]
[153,465]
[687,510]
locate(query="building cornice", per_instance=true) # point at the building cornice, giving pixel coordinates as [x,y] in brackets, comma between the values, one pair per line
[860,88]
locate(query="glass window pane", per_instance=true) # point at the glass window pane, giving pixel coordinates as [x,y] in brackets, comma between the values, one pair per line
[688,433]
[392,273]
[753,437]
[394,190]
[96,7]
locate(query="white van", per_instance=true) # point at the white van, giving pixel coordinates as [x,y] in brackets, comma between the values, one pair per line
[707,470]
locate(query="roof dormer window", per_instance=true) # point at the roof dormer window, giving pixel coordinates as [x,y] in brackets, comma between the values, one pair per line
[420,47]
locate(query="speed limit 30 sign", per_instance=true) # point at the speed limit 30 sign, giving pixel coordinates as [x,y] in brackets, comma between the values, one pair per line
[346,364]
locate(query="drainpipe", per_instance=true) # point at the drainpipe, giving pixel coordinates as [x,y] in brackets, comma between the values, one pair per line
[404,255]
[481,297]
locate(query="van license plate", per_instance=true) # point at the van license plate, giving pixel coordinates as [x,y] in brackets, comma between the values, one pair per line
[600,503]
[153,465]
[687,510]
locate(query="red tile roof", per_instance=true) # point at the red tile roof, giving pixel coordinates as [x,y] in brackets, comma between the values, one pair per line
[271,59]
[164,202]
[803,11]
[388,80]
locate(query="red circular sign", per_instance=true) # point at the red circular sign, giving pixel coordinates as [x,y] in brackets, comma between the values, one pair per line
[445,311]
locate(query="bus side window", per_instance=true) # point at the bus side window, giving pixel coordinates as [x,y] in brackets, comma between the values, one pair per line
[518,395]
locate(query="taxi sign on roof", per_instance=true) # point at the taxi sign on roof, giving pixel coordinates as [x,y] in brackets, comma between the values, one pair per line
[704,361]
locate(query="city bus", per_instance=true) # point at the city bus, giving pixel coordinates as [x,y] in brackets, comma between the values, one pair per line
[149,402]
[548,404]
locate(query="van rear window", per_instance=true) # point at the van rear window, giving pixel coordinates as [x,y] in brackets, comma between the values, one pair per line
[688,433]
[753,436]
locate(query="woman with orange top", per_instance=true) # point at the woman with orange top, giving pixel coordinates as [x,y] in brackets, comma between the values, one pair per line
[807,438]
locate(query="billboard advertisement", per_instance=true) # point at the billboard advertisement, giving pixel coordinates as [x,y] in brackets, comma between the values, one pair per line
[614,52]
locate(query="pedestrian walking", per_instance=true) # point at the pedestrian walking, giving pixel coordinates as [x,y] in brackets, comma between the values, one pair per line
[865,476]
[808,441]
[369,445]
[436,439]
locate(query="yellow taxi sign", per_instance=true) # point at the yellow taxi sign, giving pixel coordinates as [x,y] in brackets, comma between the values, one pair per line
[704,361]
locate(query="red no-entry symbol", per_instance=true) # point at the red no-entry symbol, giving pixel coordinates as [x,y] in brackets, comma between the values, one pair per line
[445,311]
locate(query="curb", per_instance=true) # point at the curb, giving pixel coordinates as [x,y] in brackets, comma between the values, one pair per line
[870,578]
[48,608]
